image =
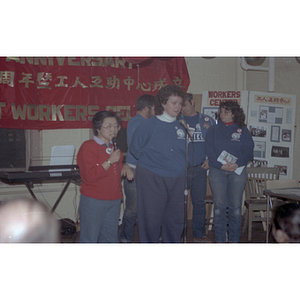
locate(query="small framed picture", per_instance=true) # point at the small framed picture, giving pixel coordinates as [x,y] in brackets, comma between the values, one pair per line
[277,151]
[286,135]
[258,131]
[275,133]
[283,170]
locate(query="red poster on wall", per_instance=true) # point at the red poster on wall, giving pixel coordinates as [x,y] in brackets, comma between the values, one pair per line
[65,92]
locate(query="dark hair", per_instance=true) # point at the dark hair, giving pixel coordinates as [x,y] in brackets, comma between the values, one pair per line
[143,101]
[164,94]
[99,118]
[287,218]
[238,113]
[188,97]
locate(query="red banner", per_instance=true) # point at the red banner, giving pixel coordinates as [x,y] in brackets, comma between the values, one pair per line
[65,92]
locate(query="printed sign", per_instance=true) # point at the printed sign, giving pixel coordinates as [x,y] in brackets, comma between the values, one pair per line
[65,92]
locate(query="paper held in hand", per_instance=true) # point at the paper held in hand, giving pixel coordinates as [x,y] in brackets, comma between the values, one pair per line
[230,158]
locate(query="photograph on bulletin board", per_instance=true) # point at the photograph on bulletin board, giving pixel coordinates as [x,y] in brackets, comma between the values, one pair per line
[275,133]
[286,135]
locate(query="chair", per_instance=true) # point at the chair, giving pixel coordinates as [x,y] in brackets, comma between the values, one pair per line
[255,200]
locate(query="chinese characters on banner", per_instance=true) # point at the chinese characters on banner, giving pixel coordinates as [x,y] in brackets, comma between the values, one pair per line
[65,92]
[263,99]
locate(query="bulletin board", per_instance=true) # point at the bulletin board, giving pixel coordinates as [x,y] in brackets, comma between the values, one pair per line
[271,122]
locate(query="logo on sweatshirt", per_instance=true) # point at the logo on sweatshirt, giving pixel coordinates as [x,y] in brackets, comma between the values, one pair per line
[235,136]
[206,125]
[180,133]
[108,150]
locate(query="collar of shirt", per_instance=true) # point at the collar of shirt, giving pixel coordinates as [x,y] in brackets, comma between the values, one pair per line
[166,118]
[230,123]
[99,141]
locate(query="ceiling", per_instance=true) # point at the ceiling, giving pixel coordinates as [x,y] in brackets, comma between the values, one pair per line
[284,63]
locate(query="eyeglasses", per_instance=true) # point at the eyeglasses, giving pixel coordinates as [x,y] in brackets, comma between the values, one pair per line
[110,127]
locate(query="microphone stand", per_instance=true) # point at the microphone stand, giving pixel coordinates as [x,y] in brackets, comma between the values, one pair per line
[187,136]
[185,187]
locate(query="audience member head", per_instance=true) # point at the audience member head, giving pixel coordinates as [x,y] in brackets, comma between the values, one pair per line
[188,105]
[286,223]
[27,221]
[164,94]
[188,97]
[145,105]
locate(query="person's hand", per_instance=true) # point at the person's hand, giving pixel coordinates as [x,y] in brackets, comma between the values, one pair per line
[115,155]
[229,167]
[127,172]
[205,165]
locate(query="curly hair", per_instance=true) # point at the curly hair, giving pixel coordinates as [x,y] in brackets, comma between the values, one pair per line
[287,218]
[164,94]
[99,118]
[238,113]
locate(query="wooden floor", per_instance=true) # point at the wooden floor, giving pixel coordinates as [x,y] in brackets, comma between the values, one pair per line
[258,235]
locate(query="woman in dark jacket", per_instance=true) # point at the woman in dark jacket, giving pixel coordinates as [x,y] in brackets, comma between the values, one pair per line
[229,147]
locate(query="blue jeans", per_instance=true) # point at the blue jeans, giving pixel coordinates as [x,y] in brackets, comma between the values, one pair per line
[227,189]
[130,213]
[99,220]
[197,178]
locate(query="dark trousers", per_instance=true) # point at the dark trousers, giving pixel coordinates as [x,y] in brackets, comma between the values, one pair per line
[160,207]
[130,213]
[197,178]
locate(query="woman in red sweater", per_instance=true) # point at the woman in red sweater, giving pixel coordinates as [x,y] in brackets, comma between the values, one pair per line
[101,192]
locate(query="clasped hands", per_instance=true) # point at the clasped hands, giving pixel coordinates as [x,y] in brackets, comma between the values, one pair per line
[229,167]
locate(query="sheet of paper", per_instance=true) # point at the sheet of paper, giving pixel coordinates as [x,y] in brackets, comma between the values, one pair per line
[62,155]
[230,158]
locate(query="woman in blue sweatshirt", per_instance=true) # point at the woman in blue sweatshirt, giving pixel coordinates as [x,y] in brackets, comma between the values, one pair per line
[159,146]
[229,147]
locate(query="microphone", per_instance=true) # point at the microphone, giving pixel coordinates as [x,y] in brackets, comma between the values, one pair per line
[114,141]
[183,123]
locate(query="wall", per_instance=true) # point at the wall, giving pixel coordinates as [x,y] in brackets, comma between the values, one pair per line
[217,73]
[226,74]
[287,74]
